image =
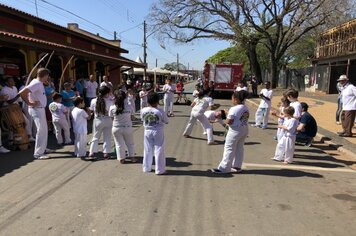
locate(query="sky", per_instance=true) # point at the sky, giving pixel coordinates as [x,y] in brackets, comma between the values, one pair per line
[126,18]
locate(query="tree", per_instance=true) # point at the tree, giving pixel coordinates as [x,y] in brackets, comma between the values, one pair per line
[187,20]
[173,66]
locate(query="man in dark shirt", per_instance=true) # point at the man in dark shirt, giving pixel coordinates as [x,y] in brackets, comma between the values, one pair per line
[307,128]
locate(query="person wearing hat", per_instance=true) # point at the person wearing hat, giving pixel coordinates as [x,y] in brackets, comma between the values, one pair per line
[348,99]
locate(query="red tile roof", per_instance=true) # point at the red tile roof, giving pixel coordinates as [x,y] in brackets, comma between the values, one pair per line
[120,60]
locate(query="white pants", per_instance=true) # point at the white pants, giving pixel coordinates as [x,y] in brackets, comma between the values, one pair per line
[80,143]
[60,125]
[154,144]
[233,150]
[29,122]
[143,104]
[123,136]
[262,115]
[285,149]
[280,133]
[39,117]
[168,104]
[204,122]
[103,125]
[69,116]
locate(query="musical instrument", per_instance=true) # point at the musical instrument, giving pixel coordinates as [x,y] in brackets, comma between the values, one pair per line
[11,119]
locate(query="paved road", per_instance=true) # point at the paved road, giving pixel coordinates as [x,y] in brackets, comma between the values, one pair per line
[67,196]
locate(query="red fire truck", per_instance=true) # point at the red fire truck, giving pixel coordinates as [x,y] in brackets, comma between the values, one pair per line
[224,76]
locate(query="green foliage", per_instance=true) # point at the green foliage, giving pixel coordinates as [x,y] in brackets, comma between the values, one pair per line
[299,54]
[173,66]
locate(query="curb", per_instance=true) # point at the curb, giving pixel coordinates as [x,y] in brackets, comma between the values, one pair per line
[323,138]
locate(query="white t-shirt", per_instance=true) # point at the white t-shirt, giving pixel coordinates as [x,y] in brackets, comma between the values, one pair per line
[37,92]
[200,106]
[107,84]
[153,118]
[123,119]
[297,109]
[79,121]
[264,102]
[143,96]
[169,90]
[240,115]
[91,88]
[10,92]
[195,93]
[212,117]
[348,96]
[243,88]
[57,110]
[108,103]
[292,125]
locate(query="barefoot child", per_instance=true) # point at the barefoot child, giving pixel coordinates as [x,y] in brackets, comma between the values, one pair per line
[154,120]
[122,127]
[80,129]
[237,120]
[285,147]
[59,118]
[200,104]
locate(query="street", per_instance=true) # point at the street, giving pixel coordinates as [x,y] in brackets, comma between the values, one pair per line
[67,196]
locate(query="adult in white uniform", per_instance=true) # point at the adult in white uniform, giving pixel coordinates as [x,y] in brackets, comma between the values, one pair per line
[168,90]
[122,127]
[102,122]
[13,98]
[154,120]
[35,97]
[200,104]
[262,113]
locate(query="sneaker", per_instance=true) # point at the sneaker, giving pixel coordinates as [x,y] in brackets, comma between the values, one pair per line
[4,150]
[42,157]
[236,170]
[32,139]
[309,143]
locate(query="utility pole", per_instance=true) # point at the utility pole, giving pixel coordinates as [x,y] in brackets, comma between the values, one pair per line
[188,65]
[115,35]
[156,62]
[177,66]
[144,49]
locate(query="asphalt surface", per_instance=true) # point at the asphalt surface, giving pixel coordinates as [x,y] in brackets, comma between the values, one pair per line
[68,196]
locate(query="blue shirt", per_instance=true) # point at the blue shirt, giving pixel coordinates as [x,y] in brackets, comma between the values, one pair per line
[79,86]
[66,98]
[310,128]
[49,91]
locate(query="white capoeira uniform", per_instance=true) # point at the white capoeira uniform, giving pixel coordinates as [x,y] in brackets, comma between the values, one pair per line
[131,102]
[197,113]
[262,113]
[235,138]
[122,131]
[80,130]
[280,131]
[143,99]
[285,146]
[12,92]
[59,119]
[212,119]
[297,109]
[154,120]
[37,93]
[168,90]
[103,125]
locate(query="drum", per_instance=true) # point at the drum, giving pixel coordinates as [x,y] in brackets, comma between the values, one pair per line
[11,119]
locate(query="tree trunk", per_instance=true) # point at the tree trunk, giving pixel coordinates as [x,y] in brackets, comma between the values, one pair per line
[254,63]
[274,72]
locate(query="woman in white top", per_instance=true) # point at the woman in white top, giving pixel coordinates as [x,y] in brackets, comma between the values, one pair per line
[122,126]
[102,122]
[237,120]
[200,105]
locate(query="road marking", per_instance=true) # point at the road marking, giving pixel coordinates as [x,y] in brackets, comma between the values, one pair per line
[298,167]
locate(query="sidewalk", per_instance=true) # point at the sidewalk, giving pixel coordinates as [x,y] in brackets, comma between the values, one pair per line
[323,108]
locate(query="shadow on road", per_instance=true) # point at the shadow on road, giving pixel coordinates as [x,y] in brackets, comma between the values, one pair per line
[282,173]
[198,173]
[14,160]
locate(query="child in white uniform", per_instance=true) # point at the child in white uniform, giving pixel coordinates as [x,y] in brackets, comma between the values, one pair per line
[285,147]
[143,98]
[237,120]
[80,129]
[102,122]
[200,104]
[131,98]
[168,90]
[262,113]
[122,127]
[154,120]
[59,119]
[215,117]
[292,96]
[280,114]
